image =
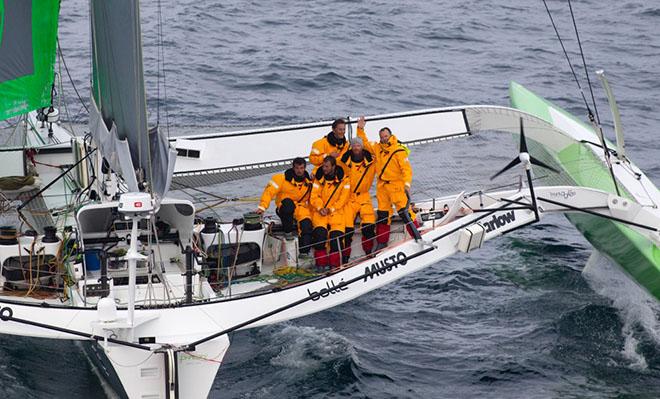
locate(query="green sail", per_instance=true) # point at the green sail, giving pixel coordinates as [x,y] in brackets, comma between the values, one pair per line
[28,40]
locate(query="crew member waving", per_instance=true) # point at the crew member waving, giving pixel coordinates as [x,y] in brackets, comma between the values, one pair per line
[394,175]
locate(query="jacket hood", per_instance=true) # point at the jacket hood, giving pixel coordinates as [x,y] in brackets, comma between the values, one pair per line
[391,143]
[339,173]
[289,176]
[332,139]
[349,155]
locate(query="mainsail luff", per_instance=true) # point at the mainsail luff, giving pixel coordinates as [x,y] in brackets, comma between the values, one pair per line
[118,84]
[118,91]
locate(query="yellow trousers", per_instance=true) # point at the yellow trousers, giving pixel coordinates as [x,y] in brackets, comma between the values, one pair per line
[359,204]
[331,222]
[391,194]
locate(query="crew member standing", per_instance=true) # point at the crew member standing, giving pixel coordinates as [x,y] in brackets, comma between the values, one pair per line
[330,192]
[333,144]
[361,169]
[394,175]
[291,191]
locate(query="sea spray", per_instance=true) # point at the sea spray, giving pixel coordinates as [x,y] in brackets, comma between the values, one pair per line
[634,306]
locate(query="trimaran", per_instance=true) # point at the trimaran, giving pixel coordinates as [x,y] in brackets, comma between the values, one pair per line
[101,254]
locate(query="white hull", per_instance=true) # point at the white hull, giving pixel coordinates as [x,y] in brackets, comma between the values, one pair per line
[143,372]
[153,372]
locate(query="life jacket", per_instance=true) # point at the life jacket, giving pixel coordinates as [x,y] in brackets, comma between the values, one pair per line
[330,192]
[360,172]
[392,162]
[392,165]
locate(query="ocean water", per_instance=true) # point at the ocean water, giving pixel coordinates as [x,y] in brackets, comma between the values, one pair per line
[532,315]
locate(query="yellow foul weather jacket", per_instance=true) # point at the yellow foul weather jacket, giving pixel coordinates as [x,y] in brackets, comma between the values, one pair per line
[285,185]
[330,193]
[392,165]
[323,147]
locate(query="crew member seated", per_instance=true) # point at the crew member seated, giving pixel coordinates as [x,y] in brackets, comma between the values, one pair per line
[291,191]
[329,195]
[394,175]
[361,169]
[333,144]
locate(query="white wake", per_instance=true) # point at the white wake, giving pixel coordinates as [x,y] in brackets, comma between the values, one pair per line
[635,306]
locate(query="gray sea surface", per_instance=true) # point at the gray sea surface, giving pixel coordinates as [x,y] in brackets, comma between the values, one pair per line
[531,315]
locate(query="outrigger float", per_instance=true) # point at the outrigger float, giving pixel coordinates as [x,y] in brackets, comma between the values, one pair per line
[102,255]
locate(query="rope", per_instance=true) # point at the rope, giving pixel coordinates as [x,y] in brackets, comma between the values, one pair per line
[202,357]
[47,186]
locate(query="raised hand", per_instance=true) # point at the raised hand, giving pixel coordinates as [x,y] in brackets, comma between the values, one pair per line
[361,122]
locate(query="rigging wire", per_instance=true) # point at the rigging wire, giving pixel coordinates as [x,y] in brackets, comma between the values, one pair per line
[207,206]
[160,71]
[10,137]
[568,60]
[61,101]
[158,49]
[199,190]
[584,63]
[595,120]
[66,68]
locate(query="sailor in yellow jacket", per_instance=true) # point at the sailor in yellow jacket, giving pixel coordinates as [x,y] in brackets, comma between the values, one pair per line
[361,169]
[333,144]
[394,175]
[330,192]
[291,191]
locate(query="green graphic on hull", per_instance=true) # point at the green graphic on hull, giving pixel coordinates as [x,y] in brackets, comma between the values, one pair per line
[634,252]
